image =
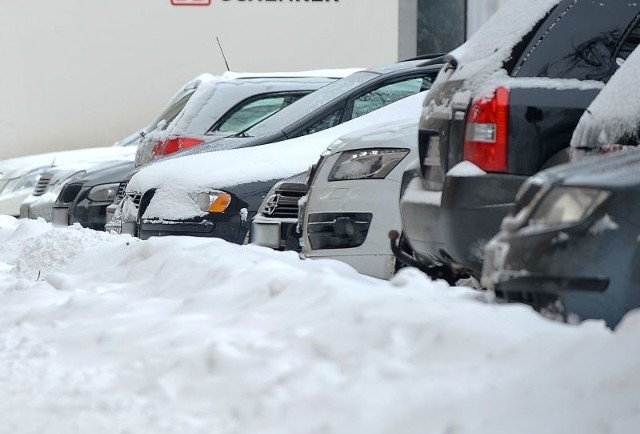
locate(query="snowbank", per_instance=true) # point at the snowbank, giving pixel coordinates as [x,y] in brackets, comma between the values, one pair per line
[192,335]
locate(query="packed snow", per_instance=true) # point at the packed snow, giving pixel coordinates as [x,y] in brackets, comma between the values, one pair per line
[109,334]
[615,112]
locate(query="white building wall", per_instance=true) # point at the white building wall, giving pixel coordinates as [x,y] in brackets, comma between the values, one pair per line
[82,73]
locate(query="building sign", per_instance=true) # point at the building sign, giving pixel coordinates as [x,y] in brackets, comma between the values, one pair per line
[190,2]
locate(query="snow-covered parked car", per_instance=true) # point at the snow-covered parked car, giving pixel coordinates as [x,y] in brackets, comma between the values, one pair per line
[352,202]
[570,243]
[20,175]
[85,199]
[217,194]
[224,107]
[40,203]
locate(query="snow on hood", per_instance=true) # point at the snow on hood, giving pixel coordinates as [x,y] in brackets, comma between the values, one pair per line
[398,134]
[108,334]
[333,73]
[279,160]
[16,167]
[615,112]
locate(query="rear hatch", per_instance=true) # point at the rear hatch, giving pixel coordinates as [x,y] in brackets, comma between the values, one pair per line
[508,100]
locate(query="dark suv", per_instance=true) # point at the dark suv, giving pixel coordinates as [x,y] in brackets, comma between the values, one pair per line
[503,108]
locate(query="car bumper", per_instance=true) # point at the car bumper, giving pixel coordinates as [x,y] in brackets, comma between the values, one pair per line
[233,229]
[10,202]
[590,276]
[60,216]
[453,228]
[374,256]
[275,233]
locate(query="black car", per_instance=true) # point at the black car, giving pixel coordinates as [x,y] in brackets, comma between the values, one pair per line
[571,240]
[505,107]
[571,243]
[85,200]
[354,96]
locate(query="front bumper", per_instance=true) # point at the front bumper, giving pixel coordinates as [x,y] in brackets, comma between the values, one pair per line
[275,233]
[591,276]
[453,228]
[374,197]
[229,228]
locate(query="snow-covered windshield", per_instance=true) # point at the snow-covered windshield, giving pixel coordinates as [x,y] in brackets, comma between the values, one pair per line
[614,115]
[310,103]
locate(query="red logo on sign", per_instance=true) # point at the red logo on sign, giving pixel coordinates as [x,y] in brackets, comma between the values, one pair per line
[191,2]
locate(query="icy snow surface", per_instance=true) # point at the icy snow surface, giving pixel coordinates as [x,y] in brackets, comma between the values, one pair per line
[108,334]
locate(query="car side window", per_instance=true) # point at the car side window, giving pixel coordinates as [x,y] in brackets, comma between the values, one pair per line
[328,121]
[388,94]
[171,112]
[249,113]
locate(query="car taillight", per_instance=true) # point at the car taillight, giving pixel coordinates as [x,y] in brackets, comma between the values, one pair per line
[486,132]
[176,144]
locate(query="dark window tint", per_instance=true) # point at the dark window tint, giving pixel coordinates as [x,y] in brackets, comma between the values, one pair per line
[310,103]
[172,110]
[249,113]
[578,40]
[328,121]
[388,94]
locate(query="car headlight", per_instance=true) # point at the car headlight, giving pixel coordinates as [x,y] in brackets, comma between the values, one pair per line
[213,202]
[25,182]
[103,193]
[366,163]
[566,205]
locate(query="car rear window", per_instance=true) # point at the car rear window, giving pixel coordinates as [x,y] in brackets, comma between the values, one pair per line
[580,39]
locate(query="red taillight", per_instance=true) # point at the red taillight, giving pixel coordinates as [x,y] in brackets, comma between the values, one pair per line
[486,132]
[176,144]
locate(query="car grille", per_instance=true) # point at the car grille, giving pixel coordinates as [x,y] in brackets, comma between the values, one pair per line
[285,201]
[70,192]
[43,184]
[122,191]
[135,198]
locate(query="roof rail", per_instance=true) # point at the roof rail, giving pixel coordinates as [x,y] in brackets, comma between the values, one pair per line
[424,57]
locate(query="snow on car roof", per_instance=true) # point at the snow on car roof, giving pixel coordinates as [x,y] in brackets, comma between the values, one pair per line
[19,166]
[260,163]
[485,52]
[615,112]
[109,334]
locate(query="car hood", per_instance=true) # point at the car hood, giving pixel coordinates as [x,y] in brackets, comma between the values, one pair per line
[259,163]
[402,134]
[615,170]
[107,174]
[16,167]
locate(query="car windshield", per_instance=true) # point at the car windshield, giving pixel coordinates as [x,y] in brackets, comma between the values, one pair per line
[309,104]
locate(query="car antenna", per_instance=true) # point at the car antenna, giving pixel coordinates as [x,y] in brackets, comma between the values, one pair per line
[223,56]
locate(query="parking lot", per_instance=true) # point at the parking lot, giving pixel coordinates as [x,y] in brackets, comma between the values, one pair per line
[442,241]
